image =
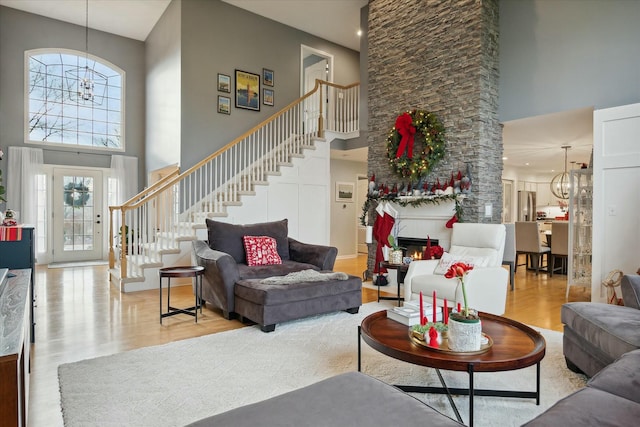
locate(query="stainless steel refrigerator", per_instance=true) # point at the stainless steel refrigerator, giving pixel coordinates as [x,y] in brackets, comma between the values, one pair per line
[526,205]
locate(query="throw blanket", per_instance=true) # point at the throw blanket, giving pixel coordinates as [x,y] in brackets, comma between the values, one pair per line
[304,276]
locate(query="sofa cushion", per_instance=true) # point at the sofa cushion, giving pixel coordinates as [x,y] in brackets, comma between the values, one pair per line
[444,288]
[621,378]
[227,238]
[344,400]
[612,329]
[264,271]
[261,250]
[589,407]
[255,291]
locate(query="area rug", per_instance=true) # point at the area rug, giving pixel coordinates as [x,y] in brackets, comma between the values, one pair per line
[181,382]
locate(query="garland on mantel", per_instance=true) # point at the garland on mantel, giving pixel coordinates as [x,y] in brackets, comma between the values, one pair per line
[413,201]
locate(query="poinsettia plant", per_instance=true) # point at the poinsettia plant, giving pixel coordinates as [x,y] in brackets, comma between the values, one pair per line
[459,270]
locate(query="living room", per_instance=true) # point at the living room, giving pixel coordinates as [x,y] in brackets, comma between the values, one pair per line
[192,130]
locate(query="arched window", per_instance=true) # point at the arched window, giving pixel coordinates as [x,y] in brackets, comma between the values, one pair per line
[74,99]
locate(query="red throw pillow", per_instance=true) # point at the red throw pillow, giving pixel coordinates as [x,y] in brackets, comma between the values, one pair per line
[261,250]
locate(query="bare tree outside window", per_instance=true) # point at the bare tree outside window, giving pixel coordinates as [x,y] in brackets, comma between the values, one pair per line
[74,100]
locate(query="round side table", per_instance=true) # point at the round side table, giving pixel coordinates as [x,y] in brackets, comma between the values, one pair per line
[182,271]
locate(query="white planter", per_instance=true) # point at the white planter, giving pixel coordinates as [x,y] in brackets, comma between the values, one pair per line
[465,336]
[395,257]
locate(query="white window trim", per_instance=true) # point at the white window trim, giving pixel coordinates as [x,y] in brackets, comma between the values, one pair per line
[70,147]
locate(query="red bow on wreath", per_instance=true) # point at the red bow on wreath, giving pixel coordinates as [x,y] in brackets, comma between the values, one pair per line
[404,125]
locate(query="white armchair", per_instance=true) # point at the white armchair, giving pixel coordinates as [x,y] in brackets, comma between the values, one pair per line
[486,284]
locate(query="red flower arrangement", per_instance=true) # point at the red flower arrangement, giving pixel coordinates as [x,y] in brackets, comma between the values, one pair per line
[459,270]
[437,251]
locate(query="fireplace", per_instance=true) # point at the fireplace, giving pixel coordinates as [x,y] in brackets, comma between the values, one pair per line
[414,247]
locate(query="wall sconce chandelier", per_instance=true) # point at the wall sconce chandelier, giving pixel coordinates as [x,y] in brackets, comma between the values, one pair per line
[560,185]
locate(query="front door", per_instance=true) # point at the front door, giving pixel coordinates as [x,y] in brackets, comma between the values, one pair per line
[77,215]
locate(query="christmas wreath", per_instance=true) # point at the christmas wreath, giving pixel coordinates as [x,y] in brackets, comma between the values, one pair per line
[76,195]
[419,131]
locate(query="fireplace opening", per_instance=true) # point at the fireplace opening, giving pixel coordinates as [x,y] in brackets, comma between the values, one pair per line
[414,247]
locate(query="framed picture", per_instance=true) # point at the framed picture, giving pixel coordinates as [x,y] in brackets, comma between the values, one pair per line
[345,191]
[224,104]
[267,77]
[247,90]
[267,97]
[224,83]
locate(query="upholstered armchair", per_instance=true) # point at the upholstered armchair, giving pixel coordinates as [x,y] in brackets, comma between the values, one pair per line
[486,285]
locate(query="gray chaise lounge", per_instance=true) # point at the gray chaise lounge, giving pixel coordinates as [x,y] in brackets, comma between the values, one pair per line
[596,334]
[235,287]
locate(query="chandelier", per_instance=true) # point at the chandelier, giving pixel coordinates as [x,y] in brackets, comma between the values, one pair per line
[560,183]
[83,81]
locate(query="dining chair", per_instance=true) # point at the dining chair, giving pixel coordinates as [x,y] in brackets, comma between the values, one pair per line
[528,243]
[559,247]
[509,256]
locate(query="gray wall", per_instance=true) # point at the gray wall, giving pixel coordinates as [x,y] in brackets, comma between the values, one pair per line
[566,54]
[163,90]
[20,31]
[219,38]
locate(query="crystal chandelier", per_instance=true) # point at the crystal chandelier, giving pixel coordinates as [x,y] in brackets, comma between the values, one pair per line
[560,183]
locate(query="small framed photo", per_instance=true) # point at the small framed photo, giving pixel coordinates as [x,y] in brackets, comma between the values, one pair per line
[224,104]
[247,90]
[267,97]
[345,192]
[267,77]
[224,83]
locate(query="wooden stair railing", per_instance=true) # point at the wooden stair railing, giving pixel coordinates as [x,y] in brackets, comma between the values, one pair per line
[170,210]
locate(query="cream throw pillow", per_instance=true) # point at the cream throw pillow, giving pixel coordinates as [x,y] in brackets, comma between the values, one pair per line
[447,260]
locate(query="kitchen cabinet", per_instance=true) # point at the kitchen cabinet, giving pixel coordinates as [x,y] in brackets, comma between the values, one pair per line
[527,186]
[544,195]
[580,227]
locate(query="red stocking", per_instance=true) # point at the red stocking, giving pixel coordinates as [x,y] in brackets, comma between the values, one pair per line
[452,221]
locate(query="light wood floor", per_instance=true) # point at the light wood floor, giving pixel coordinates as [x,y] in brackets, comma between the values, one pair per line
[79,315]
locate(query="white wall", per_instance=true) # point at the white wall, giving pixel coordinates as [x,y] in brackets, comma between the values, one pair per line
[616,199]
[344,215]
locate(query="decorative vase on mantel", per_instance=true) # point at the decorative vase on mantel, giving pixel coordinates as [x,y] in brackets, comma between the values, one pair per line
[465,332]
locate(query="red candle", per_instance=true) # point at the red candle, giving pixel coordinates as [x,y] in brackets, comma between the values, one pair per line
[421,311]
[434,307]
[445,315]
[459,308]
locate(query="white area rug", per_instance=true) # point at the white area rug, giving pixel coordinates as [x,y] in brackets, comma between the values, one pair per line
[178,383]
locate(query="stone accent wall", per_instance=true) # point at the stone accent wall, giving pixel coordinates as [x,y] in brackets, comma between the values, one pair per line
[440,56]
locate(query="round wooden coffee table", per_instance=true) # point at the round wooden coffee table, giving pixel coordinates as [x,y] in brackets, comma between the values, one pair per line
[515,346]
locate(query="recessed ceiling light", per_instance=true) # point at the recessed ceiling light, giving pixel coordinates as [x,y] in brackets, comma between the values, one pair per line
[505,158]
[526,164]
[359,33]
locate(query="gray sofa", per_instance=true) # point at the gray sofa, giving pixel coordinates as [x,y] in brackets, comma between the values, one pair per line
[596,334]
[611,398]
[236,288]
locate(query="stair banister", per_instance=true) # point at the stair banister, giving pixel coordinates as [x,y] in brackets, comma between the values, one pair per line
[243,161]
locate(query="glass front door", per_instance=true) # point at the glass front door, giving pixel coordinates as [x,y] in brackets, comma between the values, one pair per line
[78,216]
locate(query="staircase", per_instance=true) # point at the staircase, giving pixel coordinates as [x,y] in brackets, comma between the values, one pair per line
[154,229]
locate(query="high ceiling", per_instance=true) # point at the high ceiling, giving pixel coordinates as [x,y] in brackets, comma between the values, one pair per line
[337,21]
[536,140]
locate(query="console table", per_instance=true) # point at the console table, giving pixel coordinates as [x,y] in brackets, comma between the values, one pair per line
[20,254]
